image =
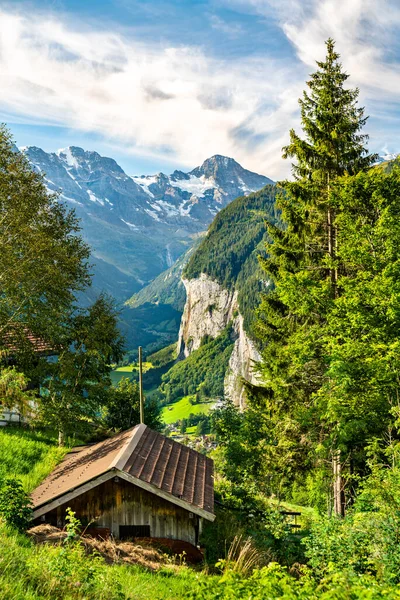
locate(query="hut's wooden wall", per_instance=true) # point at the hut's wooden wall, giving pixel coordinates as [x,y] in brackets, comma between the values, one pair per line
[116,503]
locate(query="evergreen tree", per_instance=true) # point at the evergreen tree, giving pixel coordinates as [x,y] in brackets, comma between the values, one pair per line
[303,264]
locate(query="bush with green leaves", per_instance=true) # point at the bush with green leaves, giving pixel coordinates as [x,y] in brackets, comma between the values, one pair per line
[123,407]
[274,582]
[241,511]
[15,504]
[367,540]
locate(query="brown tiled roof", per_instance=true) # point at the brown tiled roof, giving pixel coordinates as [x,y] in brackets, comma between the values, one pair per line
[11,342]
[166,465]
[80,467]
[173,468]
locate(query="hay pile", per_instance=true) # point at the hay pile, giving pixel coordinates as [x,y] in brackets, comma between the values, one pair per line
[113,551]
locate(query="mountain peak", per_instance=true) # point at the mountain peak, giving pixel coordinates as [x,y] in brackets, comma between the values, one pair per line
[214,165]
[217,162]
[70,154]
[227,173]
[76,157]
[219,159]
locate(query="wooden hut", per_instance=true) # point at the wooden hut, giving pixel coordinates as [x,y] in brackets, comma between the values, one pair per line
[138,483]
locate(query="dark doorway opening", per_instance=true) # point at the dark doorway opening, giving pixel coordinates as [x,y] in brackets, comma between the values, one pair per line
[133,531]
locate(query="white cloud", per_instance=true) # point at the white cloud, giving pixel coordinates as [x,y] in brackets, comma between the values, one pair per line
[229,29]
[152,101]
[182,103]
[366,34]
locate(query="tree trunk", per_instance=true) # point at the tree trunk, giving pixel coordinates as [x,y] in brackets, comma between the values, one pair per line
[61,438]
[338,493]
[332,246]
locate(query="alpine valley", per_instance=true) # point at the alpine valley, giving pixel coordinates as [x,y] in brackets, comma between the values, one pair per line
[138,226]
[142,229]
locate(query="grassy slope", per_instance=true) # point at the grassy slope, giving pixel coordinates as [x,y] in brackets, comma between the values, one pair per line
[121,372]
[28,455]
[182,409]
[29,572]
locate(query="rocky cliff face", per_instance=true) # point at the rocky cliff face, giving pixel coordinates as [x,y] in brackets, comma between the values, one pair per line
[208,310]
[241,365]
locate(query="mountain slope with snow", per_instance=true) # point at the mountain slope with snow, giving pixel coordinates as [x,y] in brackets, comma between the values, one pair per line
[137,226]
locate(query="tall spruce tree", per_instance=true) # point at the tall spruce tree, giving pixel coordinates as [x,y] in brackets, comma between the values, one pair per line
[303,264]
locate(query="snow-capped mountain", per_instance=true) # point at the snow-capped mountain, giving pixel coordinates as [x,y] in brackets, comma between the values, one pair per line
[138,226]
[386,157]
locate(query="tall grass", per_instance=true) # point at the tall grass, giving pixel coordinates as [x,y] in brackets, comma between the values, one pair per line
[28,455]
[65,572]
[243,557]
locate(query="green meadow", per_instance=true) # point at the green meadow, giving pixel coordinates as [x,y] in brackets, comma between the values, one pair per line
[120,372]
[183,408]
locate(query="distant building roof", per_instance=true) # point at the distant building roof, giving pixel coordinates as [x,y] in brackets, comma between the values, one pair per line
[142,456]
[11,341]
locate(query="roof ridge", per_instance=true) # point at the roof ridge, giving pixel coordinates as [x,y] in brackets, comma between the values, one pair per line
[127,450]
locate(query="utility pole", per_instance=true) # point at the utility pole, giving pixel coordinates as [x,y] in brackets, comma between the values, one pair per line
[141,385]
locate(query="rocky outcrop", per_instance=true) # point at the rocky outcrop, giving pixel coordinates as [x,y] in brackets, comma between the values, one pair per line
[241,365]
[208,310]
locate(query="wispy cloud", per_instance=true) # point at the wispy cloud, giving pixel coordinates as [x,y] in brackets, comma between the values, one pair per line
[182,102]
[367,36]
[230,29]
[152,100]
[366,33]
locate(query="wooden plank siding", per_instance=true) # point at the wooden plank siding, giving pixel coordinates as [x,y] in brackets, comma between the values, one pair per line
[114,503]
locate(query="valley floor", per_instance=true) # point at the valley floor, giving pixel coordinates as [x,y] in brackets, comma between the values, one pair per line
[183,408]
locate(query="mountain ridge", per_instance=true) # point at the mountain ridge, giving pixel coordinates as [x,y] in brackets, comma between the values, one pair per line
[138,226]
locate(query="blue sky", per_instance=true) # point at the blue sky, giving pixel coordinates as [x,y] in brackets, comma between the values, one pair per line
[165,84]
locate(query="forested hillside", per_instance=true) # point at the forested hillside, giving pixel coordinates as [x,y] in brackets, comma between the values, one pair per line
[228,257]
[203,372]
[229,252]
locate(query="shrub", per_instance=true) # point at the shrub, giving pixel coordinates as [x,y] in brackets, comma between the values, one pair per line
[241,513]
[273,582]
[15,504]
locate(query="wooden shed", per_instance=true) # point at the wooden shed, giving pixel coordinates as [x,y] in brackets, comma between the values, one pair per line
[138,483]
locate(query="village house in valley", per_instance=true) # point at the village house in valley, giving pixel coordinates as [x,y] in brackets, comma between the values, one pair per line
[138,483]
